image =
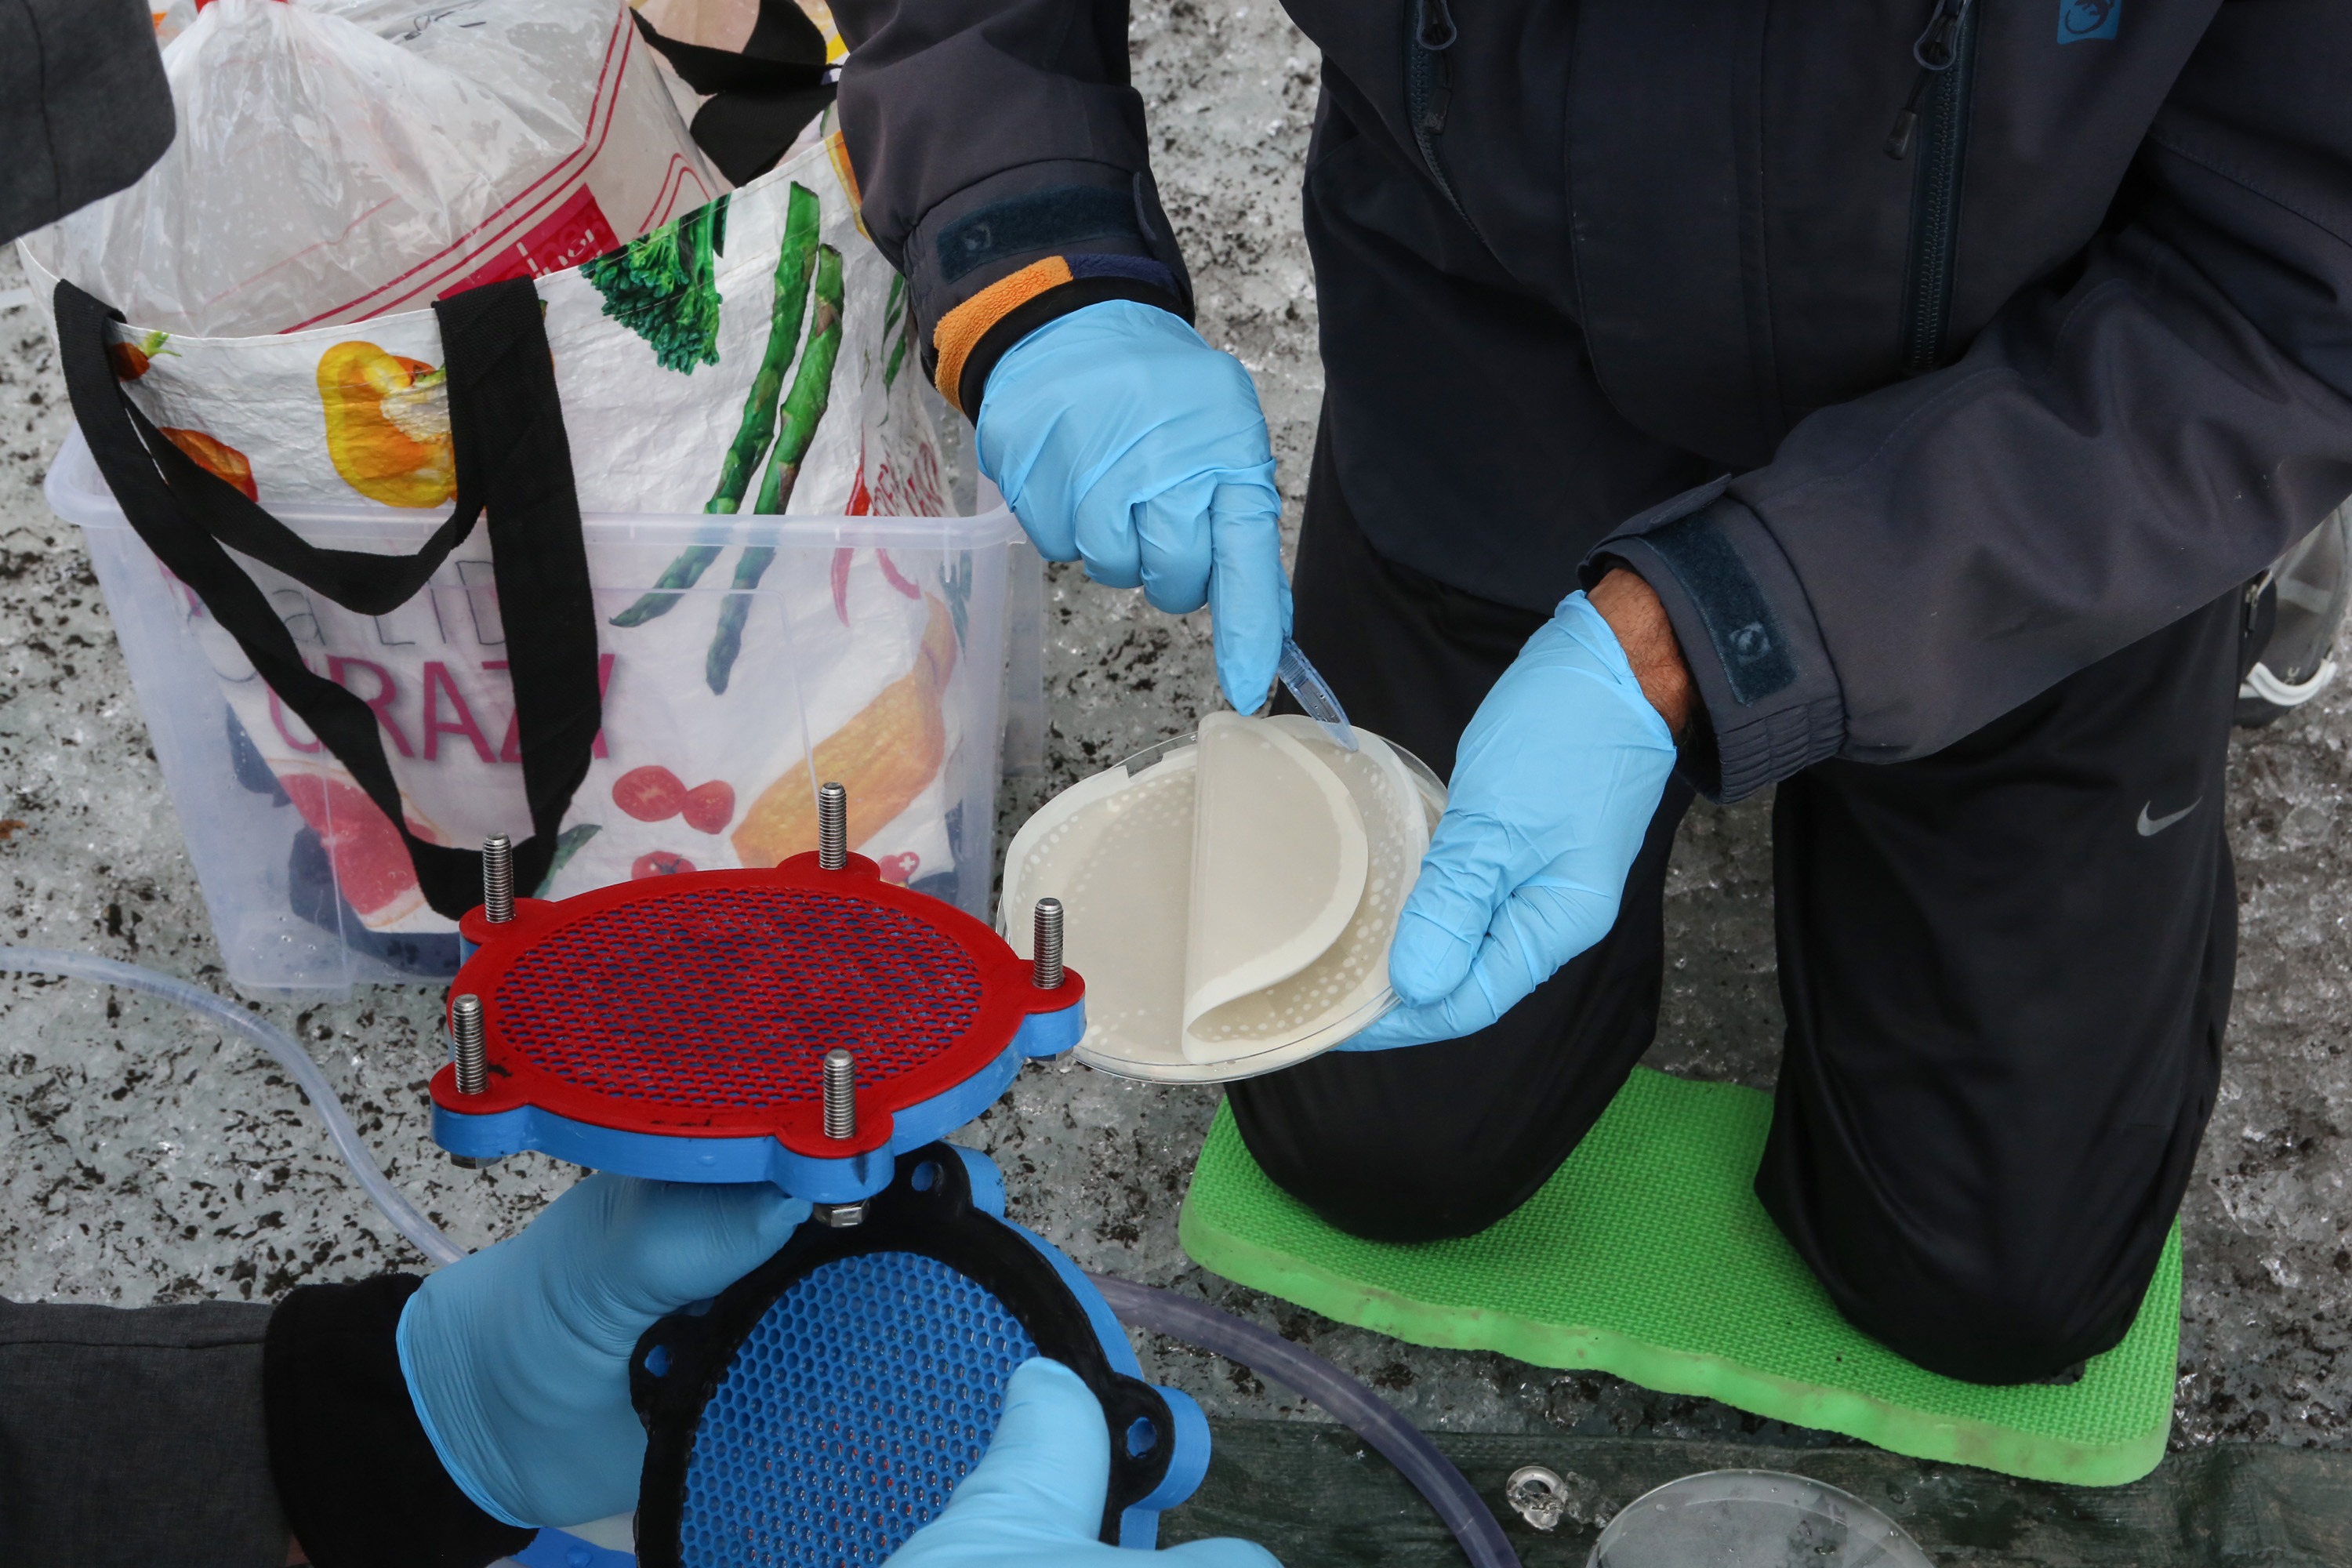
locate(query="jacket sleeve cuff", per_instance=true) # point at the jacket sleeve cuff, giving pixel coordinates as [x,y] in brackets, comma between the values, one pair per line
[1000,258]
[1772,704]
[356,1475]
[972,337]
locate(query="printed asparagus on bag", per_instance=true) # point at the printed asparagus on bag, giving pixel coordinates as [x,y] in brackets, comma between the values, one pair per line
[804,408]
[758,426]
[811,388]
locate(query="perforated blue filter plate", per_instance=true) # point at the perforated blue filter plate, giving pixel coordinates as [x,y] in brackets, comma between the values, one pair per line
[863,1466]
[826,1406]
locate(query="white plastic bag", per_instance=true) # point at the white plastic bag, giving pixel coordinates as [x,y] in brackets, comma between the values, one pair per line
[338,160]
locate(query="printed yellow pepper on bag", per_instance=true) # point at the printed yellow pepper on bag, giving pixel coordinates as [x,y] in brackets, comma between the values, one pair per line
[388,425]
[885,756]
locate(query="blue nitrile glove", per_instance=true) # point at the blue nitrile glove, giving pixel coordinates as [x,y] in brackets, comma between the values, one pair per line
[518,1357]
[1121,439]
[1035,1499]
[1554,785]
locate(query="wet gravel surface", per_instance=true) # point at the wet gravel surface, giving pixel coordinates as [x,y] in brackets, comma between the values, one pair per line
[147,1160]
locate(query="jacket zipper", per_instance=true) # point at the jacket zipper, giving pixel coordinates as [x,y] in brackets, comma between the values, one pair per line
[1429,93]
[1934,120]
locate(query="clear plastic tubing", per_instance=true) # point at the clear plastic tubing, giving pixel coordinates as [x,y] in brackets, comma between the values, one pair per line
[423,1233]
[1264,1352]
[1357,1409]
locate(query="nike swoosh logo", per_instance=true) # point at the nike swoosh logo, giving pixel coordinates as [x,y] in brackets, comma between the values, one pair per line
[2150,826]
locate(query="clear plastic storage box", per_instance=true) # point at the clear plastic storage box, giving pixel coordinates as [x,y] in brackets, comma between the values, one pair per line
[902,656]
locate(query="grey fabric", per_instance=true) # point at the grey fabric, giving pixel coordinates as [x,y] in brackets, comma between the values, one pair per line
[84,108]
[135,1438]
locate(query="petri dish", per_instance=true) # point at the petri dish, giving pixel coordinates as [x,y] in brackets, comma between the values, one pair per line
[1753,1518]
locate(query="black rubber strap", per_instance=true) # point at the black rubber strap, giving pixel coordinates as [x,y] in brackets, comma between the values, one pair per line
[513,459]
[761,99]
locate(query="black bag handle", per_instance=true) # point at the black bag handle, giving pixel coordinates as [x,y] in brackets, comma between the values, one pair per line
[762,97]
[513,461]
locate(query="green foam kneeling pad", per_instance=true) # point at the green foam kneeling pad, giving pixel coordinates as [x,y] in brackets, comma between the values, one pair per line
[1647,1255]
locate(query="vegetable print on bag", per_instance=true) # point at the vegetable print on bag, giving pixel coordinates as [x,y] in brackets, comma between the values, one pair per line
[747,360]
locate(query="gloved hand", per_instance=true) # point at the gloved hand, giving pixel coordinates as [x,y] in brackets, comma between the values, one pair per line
[1121,439]
[517,1358]
[1554,785]
[1035,1499]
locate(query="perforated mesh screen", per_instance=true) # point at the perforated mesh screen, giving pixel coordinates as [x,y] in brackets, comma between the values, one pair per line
[865,1395]
[730,997]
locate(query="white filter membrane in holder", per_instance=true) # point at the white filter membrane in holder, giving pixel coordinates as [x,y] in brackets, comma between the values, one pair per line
[1277,867]
[1229,896]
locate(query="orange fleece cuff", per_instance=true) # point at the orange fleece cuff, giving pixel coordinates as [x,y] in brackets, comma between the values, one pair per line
[961,329]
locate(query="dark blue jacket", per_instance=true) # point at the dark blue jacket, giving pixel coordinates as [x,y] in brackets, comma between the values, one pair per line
[2008,363]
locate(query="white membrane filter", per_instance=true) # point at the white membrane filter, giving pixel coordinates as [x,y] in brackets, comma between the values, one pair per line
[1350,974]
[1277,870]
[1122,851]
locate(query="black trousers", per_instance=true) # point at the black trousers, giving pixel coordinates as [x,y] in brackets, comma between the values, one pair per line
[2006,970]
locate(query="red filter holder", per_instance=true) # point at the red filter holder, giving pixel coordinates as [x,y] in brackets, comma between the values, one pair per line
[677,1028]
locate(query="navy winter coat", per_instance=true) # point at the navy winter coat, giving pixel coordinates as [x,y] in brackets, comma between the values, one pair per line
[2008,363]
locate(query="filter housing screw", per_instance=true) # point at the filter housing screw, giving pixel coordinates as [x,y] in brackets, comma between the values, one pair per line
[497,878]
[1045,944]
[832,827]
[470,1053]
[840,1094]
[840,1121]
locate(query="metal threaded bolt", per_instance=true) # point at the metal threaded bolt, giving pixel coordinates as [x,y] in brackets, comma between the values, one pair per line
[1045,944]
[840,1094]
[832,827]
[497,878]
[466,1036]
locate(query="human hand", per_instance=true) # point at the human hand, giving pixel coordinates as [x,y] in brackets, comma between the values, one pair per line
[1121,439]
[1035,1499]
[517,1358]
[1554,785]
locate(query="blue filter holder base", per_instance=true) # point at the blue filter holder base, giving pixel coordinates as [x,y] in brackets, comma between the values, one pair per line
[553,1548]
[676,1157]
[824,1408]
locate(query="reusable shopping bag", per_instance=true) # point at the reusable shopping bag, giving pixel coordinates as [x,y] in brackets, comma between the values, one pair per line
[751,357]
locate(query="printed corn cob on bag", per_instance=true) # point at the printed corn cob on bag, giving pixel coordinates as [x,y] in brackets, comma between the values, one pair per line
[750,362]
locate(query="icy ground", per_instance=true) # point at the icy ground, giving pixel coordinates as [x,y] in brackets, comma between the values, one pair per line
[147,1162]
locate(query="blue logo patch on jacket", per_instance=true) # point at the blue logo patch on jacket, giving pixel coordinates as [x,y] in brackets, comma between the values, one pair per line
[2082,19]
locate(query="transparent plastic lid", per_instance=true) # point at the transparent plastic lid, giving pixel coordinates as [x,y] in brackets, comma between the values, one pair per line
[1229,896]
[1752,1519]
